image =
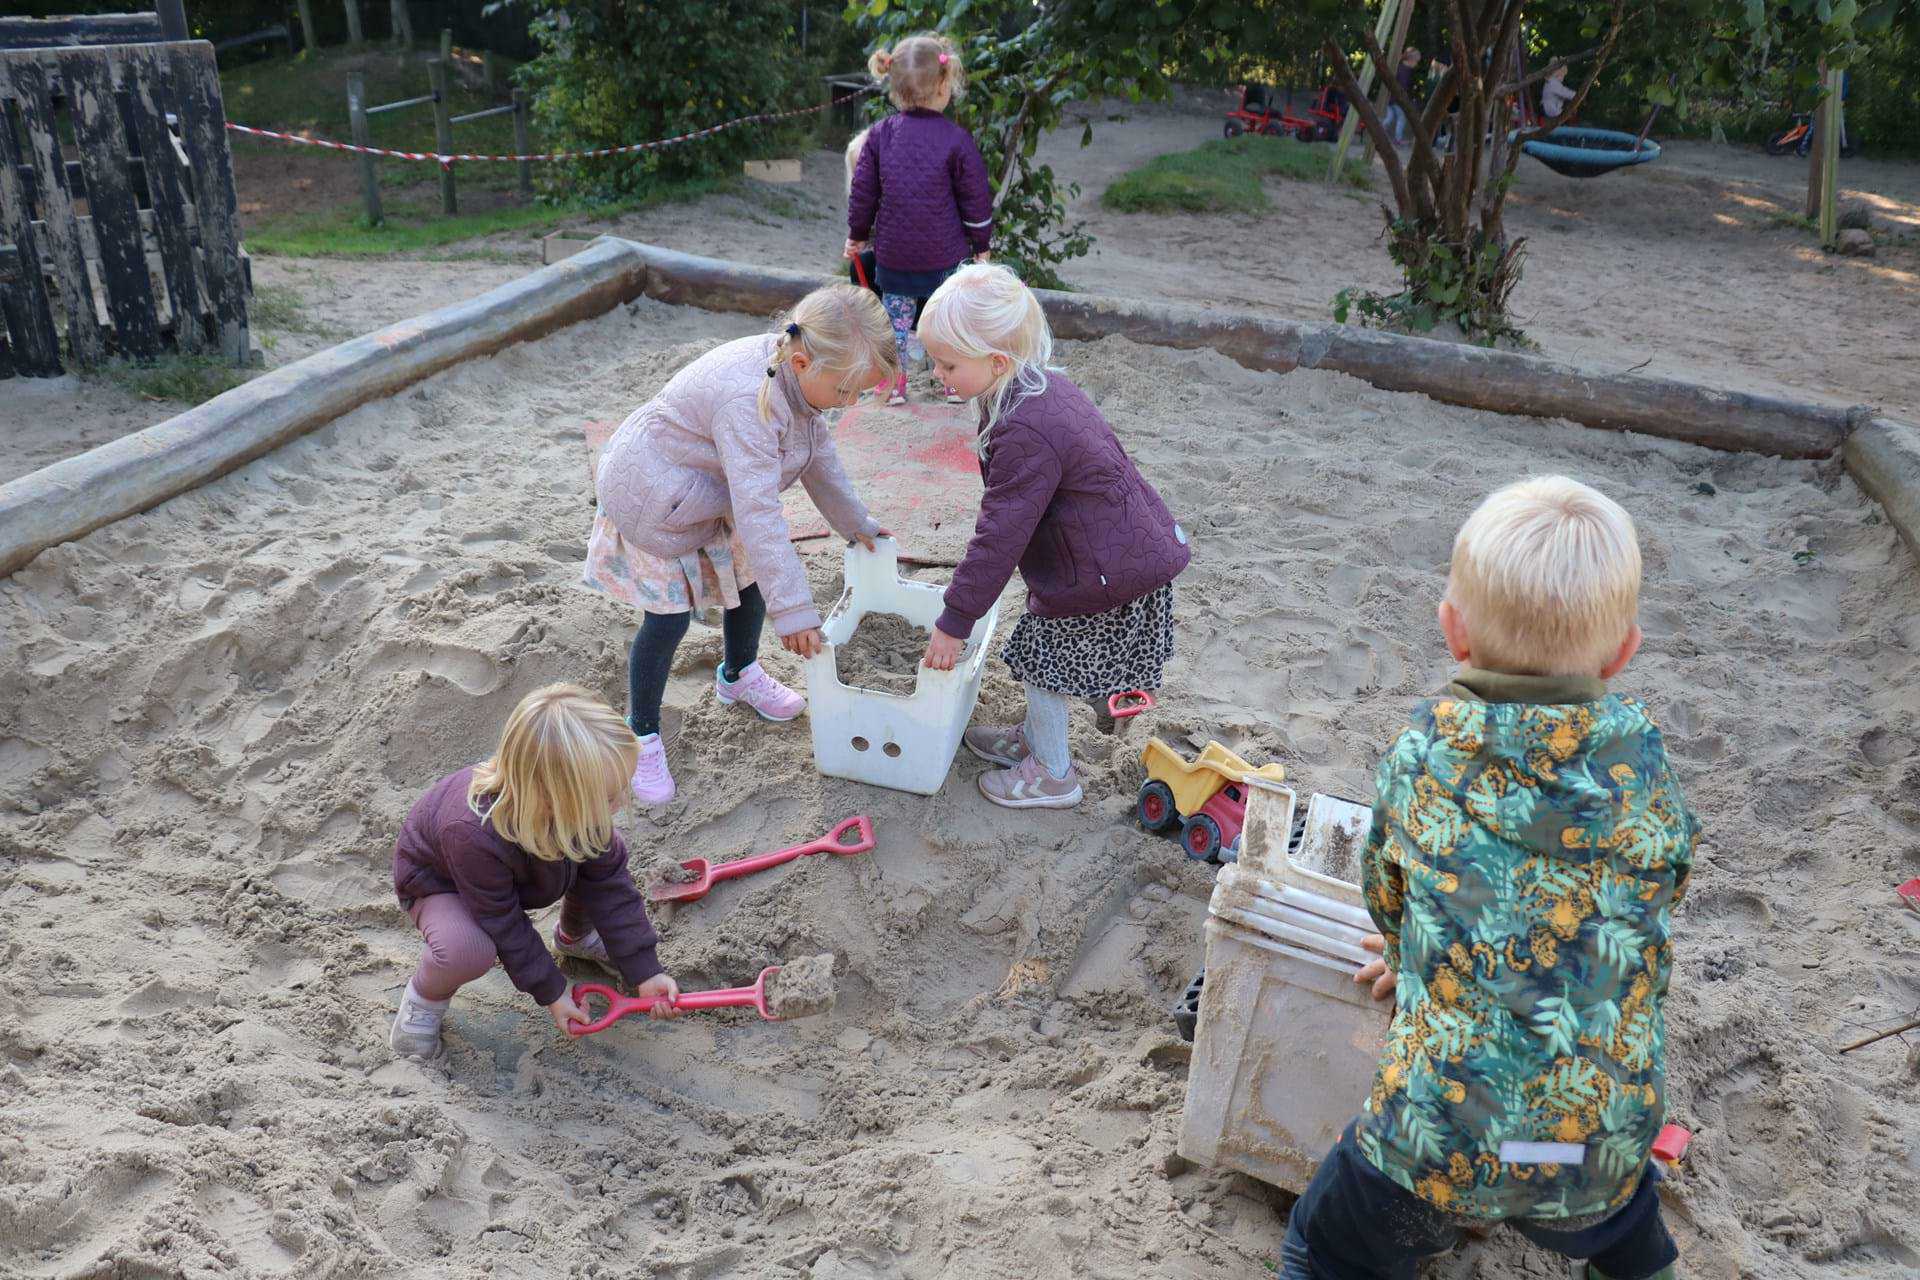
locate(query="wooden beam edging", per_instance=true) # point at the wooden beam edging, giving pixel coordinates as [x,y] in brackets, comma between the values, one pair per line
[1883,457]
[1500,381]
[77,495]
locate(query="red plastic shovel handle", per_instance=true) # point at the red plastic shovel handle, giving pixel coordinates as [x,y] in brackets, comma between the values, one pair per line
[1910,892]
[1672,1143]
[619,1006]
[833,842]
[1125,706]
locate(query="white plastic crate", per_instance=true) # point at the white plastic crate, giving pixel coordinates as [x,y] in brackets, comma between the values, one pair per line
[906,742]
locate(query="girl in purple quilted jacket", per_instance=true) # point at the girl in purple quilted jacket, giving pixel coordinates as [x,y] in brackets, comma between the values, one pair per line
[919,191]
[1094,543]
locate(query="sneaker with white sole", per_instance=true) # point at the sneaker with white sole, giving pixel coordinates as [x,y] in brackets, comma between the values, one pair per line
[585,947]
[652,783]
[769,699]
[998,744]
[416,1027]
[954,397]
[1029,786]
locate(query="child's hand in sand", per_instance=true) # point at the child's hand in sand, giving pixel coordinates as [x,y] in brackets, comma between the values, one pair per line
[564,1011]
[664,991]
[942,651]
[854,249]
[1375,971]
[804,644]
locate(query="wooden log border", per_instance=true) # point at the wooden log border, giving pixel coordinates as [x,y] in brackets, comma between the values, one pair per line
[80,494]
[77,495]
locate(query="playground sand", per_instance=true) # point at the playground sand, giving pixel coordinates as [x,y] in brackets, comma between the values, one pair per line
[883,653]
[217,713]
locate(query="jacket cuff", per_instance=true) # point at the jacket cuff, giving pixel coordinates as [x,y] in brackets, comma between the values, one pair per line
[549,988]
[641,966]
[794,621]
[956,624]
[981,238]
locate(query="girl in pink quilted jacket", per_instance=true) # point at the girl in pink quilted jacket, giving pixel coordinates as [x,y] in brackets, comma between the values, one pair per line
[1065,505]
[689,492]
[919,193]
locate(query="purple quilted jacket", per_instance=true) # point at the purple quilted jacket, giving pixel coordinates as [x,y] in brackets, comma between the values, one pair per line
[1065,503]
[920,193]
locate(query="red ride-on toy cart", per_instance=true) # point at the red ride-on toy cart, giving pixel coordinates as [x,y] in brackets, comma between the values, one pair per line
[1206,798]
[1262,111]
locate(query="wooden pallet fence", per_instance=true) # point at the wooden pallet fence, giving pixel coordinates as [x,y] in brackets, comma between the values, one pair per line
[118,230]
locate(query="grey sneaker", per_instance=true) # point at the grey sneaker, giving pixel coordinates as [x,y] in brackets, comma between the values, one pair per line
[1000,744]
[1029,786]
[416,1027]
[585,947]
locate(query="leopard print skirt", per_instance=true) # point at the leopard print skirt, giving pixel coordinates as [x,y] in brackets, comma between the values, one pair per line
[1096,655]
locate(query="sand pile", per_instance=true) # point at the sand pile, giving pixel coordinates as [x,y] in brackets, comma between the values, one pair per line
[883,654]
[215,715]
[802,988]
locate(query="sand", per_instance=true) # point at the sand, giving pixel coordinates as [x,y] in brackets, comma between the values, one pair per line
[214,716]
[671,870]
[803,988]
[883,654]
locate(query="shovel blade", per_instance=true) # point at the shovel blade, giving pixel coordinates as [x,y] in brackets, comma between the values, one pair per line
[661,889]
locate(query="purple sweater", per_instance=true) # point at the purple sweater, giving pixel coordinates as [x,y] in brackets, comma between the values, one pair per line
[920,193]
[445,848]
[1065,503]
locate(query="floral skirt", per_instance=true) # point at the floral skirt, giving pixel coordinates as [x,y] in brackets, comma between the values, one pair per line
[1098,654]
[711,577]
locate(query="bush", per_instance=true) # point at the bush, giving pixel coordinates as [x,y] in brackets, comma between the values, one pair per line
[610,75]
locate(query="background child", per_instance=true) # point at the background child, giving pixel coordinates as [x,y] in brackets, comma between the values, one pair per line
[919,188]
[861,268]
[1529,841]
[1554,94]
[1092,540]
[689,490]
[530,827]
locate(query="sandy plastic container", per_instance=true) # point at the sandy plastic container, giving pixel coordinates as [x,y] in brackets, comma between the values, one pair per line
[908,741]
[1287,1043]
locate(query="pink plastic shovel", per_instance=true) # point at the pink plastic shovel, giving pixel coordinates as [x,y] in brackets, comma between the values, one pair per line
[619,1006]
[1125,706]
[707,874]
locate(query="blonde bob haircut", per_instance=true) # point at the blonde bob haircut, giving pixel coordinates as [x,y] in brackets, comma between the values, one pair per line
[559,775]
[983,310]
[918,68]
[843,330]
[1547,575]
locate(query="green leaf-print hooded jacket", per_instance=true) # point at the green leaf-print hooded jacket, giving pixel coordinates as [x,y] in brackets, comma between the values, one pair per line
[1529,841]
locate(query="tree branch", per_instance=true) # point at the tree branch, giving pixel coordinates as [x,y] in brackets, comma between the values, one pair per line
[1424,156]
[1605,53]
[1357,100]
[1538,76]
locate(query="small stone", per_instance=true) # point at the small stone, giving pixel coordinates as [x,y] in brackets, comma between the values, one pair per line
[1855,244]
[1173,1164]
[1855,216]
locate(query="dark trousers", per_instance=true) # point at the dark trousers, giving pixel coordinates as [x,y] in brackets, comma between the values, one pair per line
[1355,1223]
[650,661]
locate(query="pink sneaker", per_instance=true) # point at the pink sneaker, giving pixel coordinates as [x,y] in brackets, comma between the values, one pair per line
[898,394]
[767,696]
[652,784]
[953,397]
[1028,786]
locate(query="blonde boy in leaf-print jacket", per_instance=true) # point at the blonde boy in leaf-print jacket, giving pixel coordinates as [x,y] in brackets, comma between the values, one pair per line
[1529,841]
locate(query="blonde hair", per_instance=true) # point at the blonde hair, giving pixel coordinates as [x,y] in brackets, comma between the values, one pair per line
[854,144]
[1547,574]
[559,775]
[918,68]
[842,329]
[984,310]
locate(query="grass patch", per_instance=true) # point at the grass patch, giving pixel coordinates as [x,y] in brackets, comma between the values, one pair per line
[1222,176]
[279,306]
[187,380]
[1793,221]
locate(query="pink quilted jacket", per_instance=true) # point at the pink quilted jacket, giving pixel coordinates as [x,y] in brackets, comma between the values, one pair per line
[697,459]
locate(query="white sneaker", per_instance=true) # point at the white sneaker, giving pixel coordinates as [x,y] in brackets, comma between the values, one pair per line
[416,1027]
[652,784]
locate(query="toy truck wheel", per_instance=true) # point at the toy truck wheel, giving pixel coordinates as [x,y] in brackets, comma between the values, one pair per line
[1234,129]
[1200,837]
[1271,129]
[1155,807]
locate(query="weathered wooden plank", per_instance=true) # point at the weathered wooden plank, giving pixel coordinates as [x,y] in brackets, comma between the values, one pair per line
[149,80]
[106,28]
[196,90]
[101,138]
[31,91]
[25,310]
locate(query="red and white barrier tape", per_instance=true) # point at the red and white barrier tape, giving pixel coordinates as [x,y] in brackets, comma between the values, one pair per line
[448,161]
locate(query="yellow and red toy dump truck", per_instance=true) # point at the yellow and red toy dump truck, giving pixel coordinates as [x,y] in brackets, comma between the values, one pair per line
[1205,797]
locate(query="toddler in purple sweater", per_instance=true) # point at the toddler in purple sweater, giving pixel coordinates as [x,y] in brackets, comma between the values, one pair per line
[1063,503]
[526,829]
[919,189]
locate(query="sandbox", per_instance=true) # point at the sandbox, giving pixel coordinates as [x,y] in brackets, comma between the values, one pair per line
[219,710]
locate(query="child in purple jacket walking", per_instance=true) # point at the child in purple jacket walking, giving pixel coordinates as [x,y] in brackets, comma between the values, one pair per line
[919,190]
[1093,541]
[530,827]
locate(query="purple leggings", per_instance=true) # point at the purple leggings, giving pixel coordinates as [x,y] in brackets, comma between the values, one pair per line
[457,950]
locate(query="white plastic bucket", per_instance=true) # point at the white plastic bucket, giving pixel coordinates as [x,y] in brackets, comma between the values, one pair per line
[906,742]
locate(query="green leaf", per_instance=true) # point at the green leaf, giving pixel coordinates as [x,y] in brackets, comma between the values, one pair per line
[1660,95]
[876,8]
[1756,15]
[1878,19]
[1843,13]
